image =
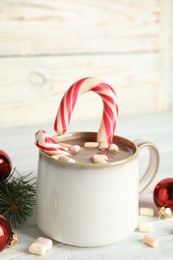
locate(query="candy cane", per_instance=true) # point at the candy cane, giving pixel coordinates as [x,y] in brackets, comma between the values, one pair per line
[46,143]
[110,107]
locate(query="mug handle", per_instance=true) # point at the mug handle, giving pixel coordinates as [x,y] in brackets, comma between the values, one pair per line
[153,164]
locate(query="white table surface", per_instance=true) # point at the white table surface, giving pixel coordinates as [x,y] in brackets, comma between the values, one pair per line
[19,144]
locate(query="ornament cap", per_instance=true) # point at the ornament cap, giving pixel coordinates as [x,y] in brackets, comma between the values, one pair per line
[13,239]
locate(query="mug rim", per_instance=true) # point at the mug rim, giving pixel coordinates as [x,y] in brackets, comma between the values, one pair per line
[71,135]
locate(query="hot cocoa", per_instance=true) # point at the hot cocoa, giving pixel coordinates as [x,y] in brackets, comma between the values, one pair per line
[85,153]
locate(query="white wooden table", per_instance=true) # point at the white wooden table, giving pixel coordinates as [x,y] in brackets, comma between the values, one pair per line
[19,144]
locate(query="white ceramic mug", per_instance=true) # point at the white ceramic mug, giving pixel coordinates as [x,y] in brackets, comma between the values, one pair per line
[92,204]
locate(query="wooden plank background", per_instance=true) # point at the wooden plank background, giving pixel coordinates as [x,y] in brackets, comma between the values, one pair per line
[46,45]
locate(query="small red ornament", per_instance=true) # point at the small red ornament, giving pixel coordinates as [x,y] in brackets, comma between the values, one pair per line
[5,233]
[163,193]
[5,165]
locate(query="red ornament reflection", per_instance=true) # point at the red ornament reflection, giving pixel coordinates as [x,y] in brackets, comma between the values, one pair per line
[5,165]
[163,193]
[5,232]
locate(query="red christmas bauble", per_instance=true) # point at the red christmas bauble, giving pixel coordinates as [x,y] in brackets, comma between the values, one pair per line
[5,232]
[163,193]
[5,165]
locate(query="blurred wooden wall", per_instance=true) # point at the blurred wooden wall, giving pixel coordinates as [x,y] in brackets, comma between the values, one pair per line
[46,45]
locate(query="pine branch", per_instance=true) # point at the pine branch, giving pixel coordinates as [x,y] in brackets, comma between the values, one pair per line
[17,198]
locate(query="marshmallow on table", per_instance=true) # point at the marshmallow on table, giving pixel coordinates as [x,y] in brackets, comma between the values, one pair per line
[146,211]
[151,241]
[40,246]
[37,248]
[45,241]
[145,227]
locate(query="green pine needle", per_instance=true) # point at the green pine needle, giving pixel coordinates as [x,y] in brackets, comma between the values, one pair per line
[17,198]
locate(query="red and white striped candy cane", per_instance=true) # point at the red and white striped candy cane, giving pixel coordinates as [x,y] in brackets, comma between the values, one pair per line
[46,143]
[110,107]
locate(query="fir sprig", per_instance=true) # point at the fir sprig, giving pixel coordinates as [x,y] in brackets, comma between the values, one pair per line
[17,198]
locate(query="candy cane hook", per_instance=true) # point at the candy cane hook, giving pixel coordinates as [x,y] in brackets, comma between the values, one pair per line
[110,107]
